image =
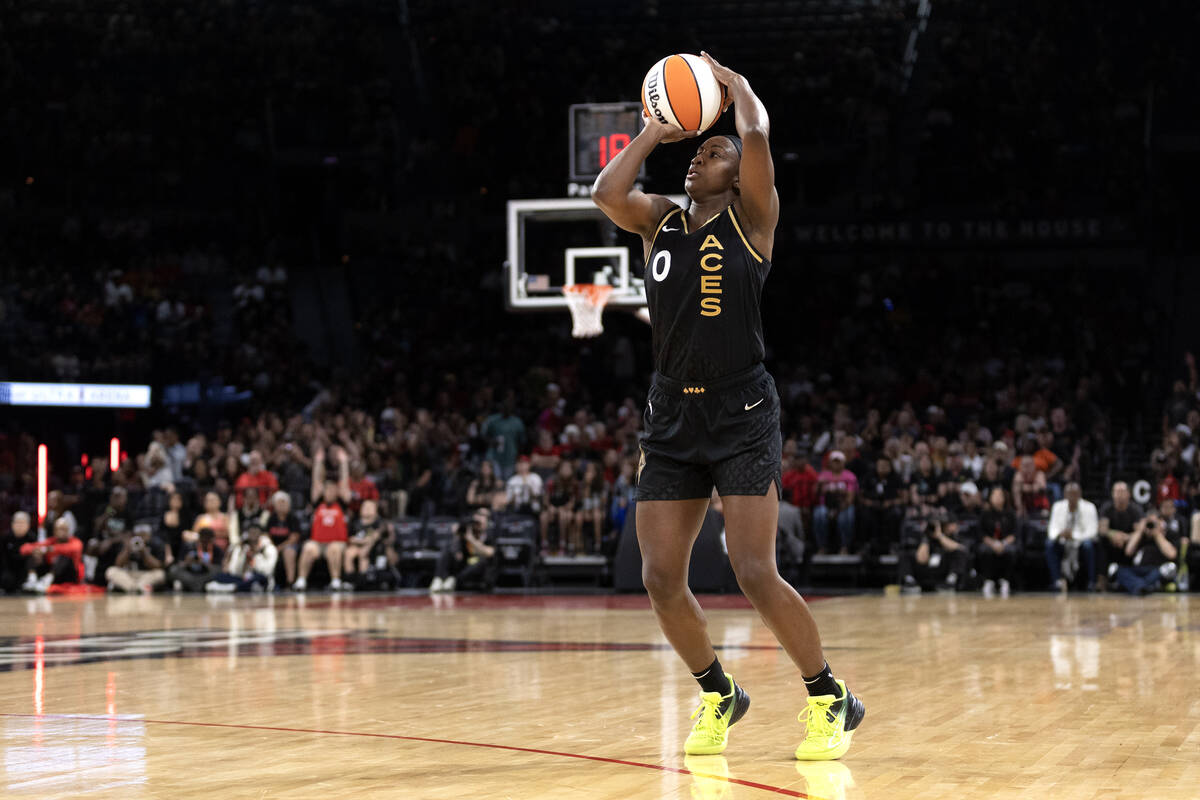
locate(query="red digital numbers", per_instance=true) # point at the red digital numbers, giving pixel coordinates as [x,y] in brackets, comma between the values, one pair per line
[611,145]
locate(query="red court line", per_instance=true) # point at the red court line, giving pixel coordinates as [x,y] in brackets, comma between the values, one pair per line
[660,767]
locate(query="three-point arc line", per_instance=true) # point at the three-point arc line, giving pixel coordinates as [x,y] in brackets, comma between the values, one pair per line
[620,762]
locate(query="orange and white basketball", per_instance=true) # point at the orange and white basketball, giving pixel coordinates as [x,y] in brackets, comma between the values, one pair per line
[680,90]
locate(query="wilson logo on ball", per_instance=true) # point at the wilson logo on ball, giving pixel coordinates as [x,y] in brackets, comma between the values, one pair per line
[681,91]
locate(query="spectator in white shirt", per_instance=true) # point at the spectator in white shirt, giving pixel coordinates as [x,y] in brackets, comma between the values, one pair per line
[1071,535]
[524,489]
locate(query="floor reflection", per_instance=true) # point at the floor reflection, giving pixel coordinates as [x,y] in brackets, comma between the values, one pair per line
[828,780]
[74,756]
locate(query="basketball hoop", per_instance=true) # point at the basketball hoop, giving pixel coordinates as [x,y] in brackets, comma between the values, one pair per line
[586,301]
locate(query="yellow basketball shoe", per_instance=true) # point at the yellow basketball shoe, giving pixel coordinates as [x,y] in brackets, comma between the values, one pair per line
[831,722]
[716,713]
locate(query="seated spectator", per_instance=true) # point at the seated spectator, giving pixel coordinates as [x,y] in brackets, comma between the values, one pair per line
[800,484]
[545,456]
[523,491]
[923,488]
[370,539]
[836,490]
[590,507]
[56,507]
[1071,535]
[116,516]
[199,562]
[624,494]
[468,559]
[881,500]
[156,471]
[251,513]
[249,565]
[559,503]
[968,507]
[999,548]
[141,562]
[170,527]
[1029,492]
[1120,517]
[1152,550]
[362,488]
[941,556]
[213,518]
[283,526]
[55,560]
[328,537]
[257,478]
[12,563]
[486,490]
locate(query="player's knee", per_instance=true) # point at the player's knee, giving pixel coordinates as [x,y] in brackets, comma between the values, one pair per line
[754,574]
[660,582]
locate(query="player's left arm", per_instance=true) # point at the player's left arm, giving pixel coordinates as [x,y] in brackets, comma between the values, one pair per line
[756,176]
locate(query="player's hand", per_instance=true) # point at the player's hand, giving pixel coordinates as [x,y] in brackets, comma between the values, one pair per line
[724,75]
[666,133]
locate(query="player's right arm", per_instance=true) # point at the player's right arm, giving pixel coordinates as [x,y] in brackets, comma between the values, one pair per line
[614,191]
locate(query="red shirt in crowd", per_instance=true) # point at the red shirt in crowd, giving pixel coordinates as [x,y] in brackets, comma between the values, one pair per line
[264,482]
[800,487]
[72,548]
[329,523]
[362,490]
[1169,489]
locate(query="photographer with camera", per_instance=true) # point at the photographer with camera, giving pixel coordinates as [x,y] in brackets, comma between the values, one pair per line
[469,558]
[141,562]
[1153,549]
[941,555]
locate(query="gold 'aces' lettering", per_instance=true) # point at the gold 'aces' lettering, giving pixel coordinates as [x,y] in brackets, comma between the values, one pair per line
[711,284]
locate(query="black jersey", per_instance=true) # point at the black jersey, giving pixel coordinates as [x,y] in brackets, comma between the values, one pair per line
[703,289]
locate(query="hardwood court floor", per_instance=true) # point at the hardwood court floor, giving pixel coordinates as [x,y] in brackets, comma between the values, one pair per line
[542,697]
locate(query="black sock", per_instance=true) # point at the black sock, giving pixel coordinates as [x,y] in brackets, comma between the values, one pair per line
[713,679]
[823,683]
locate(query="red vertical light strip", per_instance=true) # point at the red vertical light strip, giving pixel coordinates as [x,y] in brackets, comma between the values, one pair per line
[39,674]
[41,489]
[114,454]
[110,693]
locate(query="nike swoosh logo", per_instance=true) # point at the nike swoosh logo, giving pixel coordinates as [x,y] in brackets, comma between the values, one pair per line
[752,405]
[667,230]
[651,406]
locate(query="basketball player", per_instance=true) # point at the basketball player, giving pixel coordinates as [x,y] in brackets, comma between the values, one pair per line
[712,413]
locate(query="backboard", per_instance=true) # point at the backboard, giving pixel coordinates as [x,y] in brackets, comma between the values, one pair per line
[557,242]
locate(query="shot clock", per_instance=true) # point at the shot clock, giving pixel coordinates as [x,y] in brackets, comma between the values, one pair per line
[598,132]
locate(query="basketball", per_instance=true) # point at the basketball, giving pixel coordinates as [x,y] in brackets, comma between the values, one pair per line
[680,90]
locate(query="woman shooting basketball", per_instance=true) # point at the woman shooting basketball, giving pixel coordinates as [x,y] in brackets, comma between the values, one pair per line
[712,413]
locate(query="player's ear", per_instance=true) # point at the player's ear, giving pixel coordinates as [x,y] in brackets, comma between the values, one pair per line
[737,187]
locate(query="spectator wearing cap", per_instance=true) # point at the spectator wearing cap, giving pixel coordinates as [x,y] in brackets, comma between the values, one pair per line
[141,562]
[1071,536]
[837,488]
[998,549]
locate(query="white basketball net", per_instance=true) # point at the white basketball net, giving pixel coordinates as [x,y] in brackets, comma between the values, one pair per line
[586,301]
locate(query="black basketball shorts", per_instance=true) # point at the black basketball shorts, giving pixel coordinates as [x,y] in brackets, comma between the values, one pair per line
[723,433]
